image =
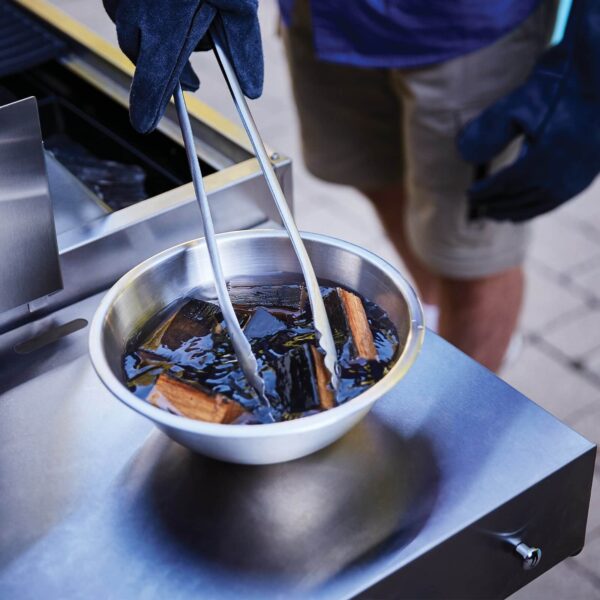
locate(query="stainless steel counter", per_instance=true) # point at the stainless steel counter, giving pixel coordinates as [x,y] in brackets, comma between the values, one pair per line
[426,498]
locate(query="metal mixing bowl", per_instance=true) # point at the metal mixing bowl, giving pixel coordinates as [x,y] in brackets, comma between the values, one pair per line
[176,272]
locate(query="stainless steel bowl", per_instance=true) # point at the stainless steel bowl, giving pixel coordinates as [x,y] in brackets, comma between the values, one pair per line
[176,272]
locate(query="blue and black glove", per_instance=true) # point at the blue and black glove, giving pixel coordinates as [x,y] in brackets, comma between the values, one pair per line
[557,110]
[159,36]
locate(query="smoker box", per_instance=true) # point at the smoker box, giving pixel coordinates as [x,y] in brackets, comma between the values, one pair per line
[429,497]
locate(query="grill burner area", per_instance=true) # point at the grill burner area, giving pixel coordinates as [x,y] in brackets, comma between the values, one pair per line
[24,41]
[90,134]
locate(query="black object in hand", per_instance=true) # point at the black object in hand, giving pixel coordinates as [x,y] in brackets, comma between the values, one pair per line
[159,36]
[557,110]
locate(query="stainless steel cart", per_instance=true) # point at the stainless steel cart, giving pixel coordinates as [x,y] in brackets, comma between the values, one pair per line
[449,489]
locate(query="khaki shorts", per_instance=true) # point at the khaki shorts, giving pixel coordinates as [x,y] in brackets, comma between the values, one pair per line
[372,128]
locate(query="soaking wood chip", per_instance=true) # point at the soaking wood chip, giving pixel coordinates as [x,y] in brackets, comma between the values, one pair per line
[192,401]
[326,395]
[360,330]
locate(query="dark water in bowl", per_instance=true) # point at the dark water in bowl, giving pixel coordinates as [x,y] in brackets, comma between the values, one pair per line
[277,320]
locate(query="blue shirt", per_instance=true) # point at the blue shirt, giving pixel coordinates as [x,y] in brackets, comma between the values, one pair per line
[407,33]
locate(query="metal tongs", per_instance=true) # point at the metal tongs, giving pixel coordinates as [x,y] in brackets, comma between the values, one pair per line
[241,344]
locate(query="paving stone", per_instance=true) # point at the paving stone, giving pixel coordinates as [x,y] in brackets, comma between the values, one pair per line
[577,336]
[590,556]
[328,222]
[586,206]
[561,246]
[587,422]
[546,300]
[589,279]
[592,362]
[342,201]
[588,425]
[559,583]
[593,525]
[353,204]
[555,387]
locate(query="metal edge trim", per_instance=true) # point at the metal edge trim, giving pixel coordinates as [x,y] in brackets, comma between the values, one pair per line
[152,207]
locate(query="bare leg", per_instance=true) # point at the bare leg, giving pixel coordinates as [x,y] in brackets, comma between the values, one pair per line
[479,316]
[390,205]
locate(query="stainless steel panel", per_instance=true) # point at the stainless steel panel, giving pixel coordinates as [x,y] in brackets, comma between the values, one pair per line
[29,267]
[74,204]
[95,503]
[482,561]
[96,254]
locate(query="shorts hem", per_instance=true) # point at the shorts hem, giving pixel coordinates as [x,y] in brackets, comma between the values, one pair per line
[471,269]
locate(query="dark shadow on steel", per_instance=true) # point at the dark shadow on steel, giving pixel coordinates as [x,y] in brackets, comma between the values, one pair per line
[307,519]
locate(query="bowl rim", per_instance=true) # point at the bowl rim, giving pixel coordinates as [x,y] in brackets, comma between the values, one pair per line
[320,420]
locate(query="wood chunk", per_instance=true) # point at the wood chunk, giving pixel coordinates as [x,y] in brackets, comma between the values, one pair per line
[303,302]
[337,318]
[326,394]
[149,358]
[153,342]
[302,380]
[286,297]
[193,401]
[362,337]
[196,318]
[199,310]
[296,380]
[145,380]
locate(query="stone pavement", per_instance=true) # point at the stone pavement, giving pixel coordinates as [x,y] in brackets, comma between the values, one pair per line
[559,366]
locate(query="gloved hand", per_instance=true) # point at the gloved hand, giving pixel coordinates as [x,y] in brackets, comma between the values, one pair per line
[557,110]
[159,36]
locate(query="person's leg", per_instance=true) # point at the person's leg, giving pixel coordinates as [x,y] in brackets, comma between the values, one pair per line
[351,127]
[350,117]
[390,203]
[479,315]
[478,262]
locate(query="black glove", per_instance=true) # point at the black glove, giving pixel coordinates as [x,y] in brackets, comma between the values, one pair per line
[557,111]
[160,35]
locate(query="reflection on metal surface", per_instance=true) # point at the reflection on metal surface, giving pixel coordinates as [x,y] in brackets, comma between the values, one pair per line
[29,268]
[307,520]
[49,336]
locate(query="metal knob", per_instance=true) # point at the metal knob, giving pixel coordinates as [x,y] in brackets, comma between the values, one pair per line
[531,556]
